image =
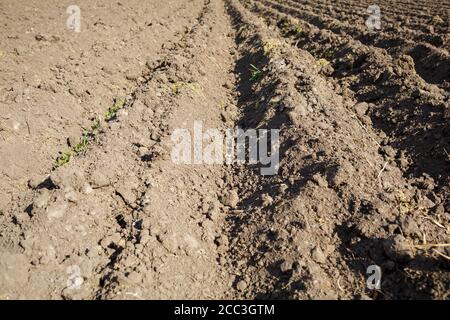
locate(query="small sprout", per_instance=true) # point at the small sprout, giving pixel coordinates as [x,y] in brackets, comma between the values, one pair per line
[82,145]
[269,45]
[95,125]
[290,27]
[177,86]
[255,73]
[406,204]
[285,27]
[112,111]
[298,29]
[323,62]
[195,87]
[63,158]
[437,20]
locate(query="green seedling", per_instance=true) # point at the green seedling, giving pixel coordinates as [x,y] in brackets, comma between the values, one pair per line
[76,149]
[63,158]
[255,73]
[89,135]
[285,27]
[269,46]
[95,125]
[298,29]
[82,145]
[176,87]
[290,27]
[112,111]
[323,62]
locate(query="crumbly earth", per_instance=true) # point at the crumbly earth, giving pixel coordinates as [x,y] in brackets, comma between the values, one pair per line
[363,178]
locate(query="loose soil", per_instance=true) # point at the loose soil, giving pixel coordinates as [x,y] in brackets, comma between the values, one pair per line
[364,150]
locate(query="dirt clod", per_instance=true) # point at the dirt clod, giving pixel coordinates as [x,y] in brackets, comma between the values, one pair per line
[231,199]
[94,205]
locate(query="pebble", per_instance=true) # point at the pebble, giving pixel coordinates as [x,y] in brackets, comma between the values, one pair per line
[318,256]
[34,182]
[409,226]
[72,196]
[98,179]
[214,212]
[231,199]
[57,210]
[241,285]
[389,151]
[266,200]
[87,189]
[127,195]
[286,265]
[42,199]
[361,108]
[321,181]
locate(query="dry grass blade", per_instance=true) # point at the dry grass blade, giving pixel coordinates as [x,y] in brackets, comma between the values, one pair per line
[431,245]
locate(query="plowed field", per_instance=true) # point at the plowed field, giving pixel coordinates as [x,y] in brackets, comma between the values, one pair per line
[93,206]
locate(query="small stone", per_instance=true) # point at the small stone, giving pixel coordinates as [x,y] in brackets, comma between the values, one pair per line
[398,249]
[439,210]
[115,239]
[144,237]
[94,251]
[241,285]
[286,265]
[409,226]
[72,196]
[266,200]
[191,242]
[122,114]
[40,37]
[21,217]
[361,108]
[75,283]
[318,256]
[228,85]
[231,199]
[34,182]
[214,211]
[87,189]
[134,277]
[283,187]
[389,151]
[126,194]
[224,116]
[57,210]
[42,199]
[108,70]
[132,75]
[222,241]
[321,181]
[426,203]
[142,151]
[98,179]
[73,140]
[139,106]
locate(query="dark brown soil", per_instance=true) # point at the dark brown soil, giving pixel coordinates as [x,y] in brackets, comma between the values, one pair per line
[364,150]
